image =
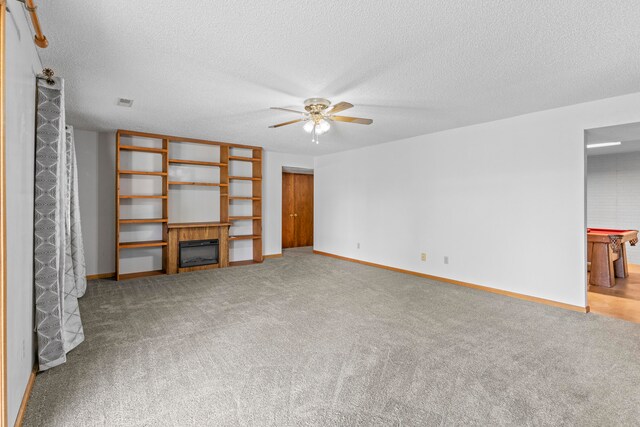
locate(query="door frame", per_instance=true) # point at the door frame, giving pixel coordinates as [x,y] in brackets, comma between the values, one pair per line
[293,170]
[287,233]
[585,223]
[4,420]
[585,188]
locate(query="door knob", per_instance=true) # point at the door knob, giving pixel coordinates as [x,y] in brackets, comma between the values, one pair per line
[295,214]
[290,214]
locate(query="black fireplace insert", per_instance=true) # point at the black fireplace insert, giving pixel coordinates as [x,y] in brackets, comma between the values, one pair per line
[199,252]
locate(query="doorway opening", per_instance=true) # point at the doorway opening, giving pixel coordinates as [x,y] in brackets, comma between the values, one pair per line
[297,208]
[612,172]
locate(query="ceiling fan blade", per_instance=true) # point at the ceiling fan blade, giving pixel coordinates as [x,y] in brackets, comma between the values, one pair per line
[288,109]
[340,106]
[286,123]
[352,120]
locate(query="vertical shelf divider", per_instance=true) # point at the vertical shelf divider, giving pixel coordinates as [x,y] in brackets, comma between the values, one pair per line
[118,205]
[257,204]
[165,202]
[224,179]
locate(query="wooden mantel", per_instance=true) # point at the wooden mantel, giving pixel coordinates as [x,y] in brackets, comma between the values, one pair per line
[183,231]
[197,224]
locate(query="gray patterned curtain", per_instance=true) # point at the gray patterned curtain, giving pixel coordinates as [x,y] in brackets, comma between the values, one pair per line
[59,268]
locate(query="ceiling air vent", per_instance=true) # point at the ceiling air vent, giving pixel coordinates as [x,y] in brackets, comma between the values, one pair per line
[124,102]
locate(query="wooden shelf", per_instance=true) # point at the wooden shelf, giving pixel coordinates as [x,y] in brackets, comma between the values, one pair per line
[142,244]
[142,221]
[244,159]
[243,198]
[245,237]
[141,196]
[142,173]
[202,184]
[195,162]
[244,178]
[143,149]
[140,274]
[244,218]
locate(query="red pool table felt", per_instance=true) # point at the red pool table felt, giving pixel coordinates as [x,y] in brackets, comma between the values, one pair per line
[606,231]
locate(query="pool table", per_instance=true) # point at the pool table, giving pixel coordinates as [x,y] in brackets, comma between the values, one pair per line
[607,254]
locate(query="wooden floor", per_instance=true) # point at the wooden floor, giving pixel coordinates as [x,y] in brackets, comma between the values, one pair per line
[622,301]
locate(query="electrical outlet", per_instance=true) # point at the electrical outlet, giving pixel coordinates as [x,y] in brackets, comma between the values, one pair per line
[446,260]
[358,245]
[24,349]
[423,256]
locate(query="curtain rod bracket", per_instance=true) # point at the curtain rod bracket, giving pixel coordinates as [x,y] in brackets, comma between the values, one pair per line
[48,76]
[40,40]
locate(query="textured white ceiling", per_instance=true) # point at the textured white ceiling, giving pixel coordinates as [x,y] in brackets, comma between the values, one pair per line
[211,69]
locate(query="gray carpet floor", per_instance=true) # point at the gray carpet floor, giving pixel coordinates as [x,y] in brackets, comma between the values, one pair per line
[309,340]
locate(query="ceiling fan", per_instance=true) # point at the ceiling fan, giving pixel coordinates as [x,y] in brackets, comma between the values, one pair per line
[317,116]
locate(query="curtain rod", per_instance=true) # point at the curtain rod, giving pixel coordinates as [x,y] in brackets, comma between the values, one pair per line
[40,40]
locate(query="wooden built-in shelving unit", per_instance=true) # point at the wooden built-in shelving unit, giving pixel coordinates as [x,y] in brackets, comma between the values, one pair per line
[226,160]
[255,199]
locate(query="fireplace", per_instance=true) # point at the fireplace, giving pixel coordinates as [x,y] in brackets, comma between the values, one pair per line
[199,252]
[186,237]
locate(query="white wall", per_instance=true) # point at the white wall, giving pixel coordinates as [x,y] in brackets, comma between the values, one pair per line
[96,187]
[613,194]
[22,65]
[503,200]
[272,191]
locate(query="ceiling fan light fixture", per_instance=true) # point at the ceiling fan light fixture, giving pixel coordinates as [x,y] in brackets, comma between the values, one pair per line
[318,115]
[308,127]
[323,126]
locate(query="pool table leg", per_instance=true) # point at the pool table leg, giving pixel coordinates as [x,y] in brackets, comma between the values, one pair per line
[620,264]
[602,266]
